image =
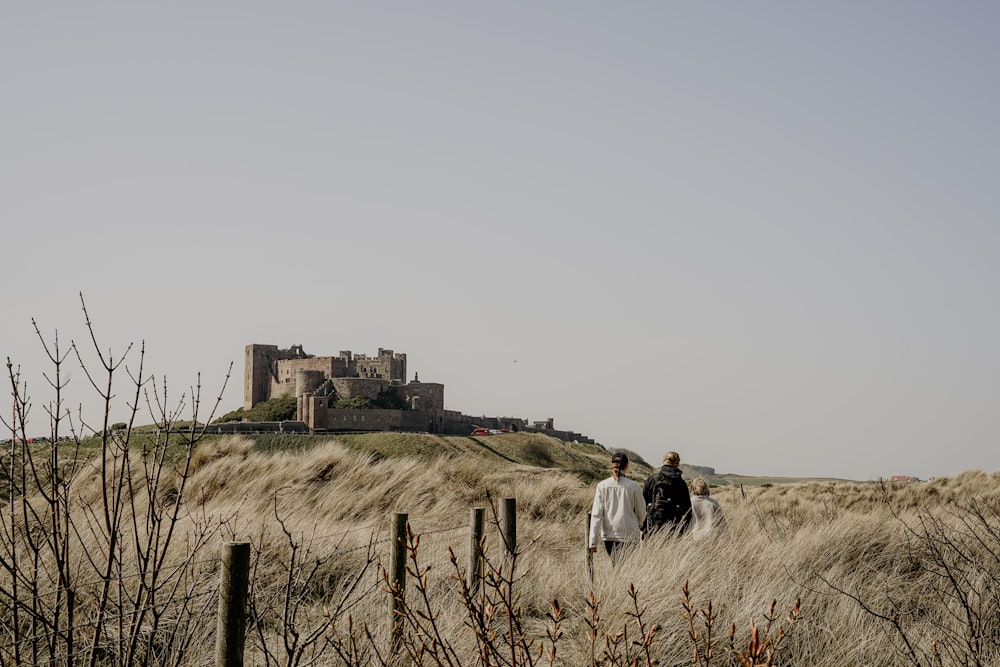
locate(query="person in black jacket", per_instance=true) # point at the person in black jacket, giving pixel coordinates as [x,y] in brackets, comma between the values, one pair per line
[668,503]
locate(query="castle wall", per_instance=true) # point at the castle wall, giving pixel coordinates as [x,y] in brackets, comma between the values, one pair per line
[354,387]
[329,367]
[277,390]
[447,422]
[567,436]
[365,420]
[386,420]
[258,427]
[423,395]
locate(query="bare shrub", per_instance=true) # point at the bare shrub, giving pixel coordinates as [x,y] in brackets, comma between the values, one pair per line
[94,565]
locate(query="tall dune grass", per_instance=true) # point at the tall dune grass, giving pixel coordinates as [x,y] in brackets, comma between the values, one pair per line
[866,560]
[885,574]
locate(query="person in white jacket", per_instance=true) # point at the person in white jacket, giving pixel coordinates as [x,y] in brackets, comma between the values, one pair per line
[618,511]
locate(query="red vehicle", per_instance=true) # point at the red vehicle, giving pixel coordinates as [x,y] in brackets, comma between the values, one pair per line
[488,431]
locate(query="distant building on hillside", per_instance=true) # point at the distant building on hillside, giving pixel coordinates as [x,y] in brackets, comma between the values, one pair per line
[271,372]
[319,384]
[903,478]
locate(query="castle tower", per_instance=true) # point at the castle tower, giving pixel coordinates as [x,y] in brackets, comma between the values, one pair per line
[258,369]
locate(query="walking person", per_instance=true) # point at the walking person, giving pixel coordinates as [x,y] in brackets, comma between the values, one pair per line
[705,510]
[618,511]
[668,503]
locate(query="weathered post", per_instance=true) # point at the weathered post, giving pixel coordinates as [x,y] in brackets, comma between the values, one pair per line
[233,589]
[474,572]
[397,576]
[590,554]
[510,528]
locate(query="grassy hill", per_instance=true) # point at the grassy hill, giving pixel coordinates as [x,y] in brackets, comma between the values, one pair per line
[588,462]
[316,511]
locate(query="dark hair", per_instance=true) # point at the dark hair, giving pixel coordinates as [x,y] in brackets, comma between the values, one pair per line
[620,459]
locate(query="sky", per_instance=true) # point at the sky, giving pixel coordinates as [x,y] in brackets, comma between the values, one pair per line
[763,235]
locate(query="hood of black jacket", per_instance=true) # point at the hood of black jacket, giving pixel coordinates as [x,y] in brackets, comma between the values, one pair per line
[670,471]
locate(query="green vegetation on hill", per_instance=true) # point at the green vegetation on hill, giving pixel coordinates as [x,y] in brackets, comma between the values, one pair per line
[274,410]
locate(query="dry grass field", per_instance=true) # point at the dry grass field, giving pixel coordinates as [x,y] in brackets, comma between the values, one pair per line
[817,573]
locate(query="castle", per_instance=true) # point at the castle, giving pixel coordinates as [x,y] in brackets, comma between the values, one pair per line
[318,383]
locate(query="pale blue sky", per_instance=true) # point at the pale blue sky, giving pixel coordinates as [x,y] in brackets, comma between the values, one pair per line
[761,234]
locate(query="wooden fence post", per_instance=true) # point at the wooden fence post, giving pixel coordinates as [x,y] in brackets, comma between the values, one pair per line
[510,528]
[233,589]
[474,573]
[590,554]
[397,576]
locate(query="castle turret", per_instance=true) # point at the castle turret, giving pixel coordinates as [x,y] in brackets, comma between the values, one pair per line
[307,381]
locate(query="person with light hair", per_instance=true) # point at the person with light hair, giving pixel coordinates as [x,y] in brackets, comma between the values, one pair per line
[705,510]
[618,511]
